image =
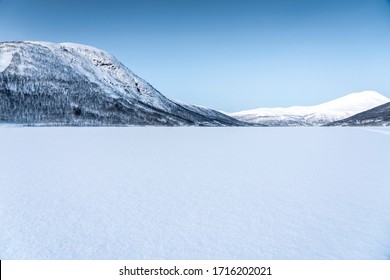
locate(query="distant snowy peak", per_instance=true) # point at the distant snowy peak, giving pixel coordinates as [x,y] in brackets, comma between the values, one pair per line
[45,83]
[331,111]
[359,101]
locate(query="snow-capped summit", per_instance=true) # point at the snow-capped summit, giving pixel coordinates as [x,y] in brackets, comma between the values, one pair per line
[45,83]
[324,113]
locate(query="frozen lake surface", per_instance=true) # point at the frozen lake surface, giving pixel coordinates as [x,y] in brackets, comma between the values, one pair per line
[194,193]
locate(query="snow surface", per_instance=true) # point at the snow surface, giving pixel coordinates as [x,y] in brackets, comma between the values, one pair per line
[194,193]
[334,110]
[5,60]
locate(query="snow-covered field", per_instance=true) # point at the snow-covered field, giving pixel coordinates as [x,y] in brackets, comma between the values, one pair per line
[194,193]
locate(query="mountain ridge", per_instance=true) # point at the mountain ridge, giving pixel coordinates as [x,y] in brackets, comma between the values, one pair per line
[378,116]
[317,115]
[44,83]
[49,84]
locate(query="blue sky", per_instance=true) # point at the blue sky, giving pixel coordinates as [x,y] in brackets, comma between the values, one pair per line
[228,55]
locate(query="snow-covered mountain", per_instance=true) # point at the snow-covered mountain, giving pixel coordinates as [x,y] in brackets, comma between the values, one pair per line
[69,84]
[322,114]
[378,116]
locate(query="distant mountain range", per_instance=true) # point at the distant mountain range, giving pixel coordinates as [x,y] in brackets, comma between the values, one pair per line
[68,84]
[318,115]
[47,84]
[379,116]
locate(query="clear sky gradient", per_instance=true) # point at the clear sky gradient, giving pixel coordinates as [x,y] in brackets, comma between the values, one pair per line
[228,55]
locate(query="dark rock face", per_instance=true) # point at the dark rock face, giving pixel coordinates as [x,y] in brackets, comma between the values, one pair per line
[69,84]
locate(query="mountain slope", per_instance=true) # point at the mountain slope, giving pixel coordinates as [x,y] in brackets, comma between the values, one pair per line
[69,84]
[334,110]
[378,116]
